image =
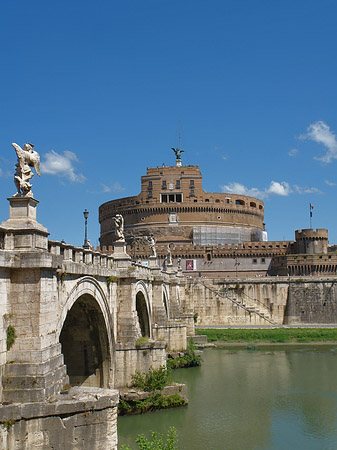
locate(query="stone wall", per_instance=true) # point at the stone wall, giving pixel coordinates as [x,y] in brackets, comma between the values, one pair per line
[174,335]
[312,302]
[263,301]
[130,359]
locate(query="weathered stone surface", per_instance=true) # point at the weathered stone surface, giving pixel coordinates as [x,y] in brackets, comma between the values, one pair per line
[82,418]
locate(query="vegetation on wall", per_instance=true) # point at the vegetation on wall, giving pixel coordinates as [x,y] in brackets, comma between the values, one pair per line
[153,382]
[275,335]
[154,379]
[190,359]
[153,402]
[11,336]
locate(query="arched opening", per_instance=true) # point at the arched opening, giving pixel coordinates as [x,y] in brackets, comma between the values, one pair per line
[85,346]
[165,305]
[142,313]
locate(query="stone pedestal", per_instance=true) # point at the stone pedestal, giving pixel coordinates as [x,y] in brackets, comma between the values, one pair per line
[153,262]
[22,231]
[121,258]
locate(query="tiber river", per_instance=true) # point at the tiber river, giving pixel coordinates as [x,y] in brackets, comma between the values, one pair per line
[275,398]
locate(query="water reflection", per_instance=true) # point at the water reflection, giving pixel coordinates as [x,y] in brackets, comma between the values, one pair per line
[245,400]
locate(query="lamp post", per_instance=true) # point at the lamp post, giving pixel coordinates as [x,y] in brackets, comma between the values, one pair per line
[86,243]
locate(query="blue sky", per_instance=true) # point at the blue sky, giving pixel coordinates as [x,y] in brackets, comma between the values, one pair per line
[99,88]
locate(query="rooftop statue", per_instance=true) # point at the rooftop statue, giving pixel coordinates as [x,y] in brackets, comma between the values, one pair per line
[178,153]
[27,158]
[119,227]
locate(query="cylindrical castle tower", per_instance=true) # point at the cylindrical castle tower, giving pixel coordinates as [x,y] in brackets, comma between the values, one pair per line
[174,208]
[310,241]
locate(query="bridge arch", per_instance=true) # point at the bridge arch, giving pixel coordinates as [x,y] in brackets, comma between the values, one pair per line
[86,335]
[166,300]
[143,309]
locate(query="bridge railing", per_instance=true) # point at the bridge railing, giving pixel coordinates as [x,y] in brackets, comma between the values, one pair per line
[79,254]
[93,257]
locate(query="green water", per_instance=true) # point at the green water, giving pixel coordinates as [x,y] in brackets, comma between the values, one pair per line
[270,399]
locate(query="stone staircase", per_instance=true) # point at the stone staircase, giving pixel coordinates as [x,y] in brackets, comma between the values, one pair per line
[250,309]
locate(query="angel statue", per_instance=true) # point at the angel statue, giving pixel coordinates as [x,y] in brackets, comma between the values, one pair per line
[152,245]
[27,158]
[119,227]
[178,153]
[169,256]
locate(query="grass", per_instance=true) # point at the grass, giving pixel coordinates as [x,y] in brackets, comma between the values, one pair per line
[276,335]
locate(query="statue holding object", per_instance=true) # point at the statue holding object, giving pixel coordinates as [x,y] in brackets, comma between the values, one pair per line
[152,245]
[119,227]
[27,158]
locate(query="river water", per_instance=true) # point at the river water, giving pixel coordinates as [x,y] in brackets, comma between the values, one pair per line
[274,398]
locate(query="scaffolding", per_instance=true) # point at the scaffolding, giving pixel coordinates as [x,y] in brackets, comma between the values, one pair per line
[215,235]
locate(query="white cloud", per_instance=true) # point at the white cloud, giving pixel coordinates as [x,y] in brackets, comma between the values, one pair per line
[224,157]
[330,183]
[62,165]
[275,188]
[115,187]
[293,152]
[306,190]
[320,132]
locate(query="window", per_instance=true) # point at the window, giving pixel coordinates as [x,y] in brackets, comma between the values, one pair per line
[178,184]
[227,201]
[207,200]
[239,202]
[171,198]
[150,194]
[150,185]
[254,261]
[191,183]
[192,193]
[164,184]
[263,260]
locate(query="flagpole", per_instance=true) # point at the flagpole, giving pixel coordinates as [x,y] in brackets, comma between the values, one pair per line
[310,207]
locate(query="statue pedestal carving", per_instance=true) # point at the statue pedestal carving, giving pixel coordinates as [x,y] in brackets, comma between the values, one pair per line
[121,258]
[22,231]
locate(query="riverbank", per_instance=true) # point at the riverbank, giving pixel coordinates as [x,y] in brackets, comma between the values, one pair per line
[284,336]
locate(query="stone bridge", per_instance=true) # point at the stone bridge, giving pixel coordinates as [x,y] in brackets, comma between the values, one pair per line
[77,316]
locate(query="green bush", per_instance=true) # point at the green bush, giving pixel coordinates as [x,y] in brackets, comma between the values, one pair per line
[153,380]
[156,442]
[154,402]
[190,359]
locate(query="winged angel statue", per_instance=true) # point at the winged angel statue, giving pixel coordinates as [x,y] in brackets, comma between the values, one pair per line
[27,158]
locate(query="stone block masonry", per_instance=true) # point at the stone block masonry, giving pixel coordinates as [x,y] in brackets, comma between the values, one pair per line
[83,418]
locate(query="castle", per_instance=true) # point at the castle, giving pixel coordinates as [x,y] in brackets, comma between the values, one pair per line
[213,235]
